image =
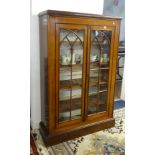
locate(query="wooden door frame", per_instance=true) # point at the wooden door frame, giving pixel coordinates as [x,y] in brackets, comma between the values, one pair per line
[99,115]
[57,52]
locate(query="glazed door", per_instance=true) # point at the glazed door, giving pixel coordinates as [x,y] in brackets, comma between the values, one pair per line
[100,44]
[70,68]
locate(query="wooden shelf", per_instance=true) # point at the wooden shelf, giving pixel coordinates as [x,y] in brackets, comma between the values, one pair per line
[66,98]
[102,91]
[95,82]
[65,106]
[96,93]
[79,96]
[97,64]
[104,68]
[93,103]
[101,42]
[67,119]
[93,66]
[71,65]
[76,104]
[69,87]
[76,84]
[103,82]
[68,84]
[94,79]
[94,69]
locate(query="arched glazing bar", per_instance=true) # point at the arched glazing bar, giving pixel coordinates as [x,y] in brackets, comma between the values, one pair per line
[66,37]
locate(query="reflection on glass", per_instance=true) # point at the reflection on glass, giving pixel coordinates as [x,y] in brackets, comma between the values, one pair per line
[99,71]
[92,100]
[103,75]
[64,116]
[70,74]
[102,101]
[76,108]
[103,87]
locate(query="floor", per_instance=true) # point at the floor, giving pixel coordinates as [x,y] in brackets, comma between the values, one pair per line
[106,142]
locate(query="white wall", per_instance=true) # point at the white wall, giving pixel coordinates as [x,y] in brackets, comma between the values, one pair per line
[117,8]
[87,6]
[84,6]
[34,73]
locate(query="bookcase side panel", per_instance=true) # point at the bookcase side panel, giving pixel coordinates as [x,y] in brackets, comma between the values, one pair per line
[43,28]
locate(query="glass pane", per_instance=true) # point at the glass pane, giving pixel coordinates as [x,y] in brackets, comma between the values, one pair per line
[92,100]
[71,64]
[64,110]
[93,89]
[120,66]
[102,102]
[99,71]
[64,116]
[93,76]
[103,87]
[76,108]
[104,75]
